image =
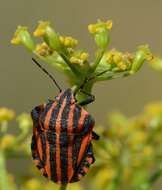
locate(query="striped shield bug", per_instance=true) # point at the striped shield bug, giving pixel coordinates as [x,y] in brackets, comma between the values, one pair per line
[62,136]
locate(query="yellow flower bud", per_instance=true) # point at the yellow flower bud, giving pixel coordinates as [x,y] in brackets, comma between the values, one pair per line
[109,58]
[24,121]
[121,65]
[76,60]
[92,28]
[117,57]
[43,49]
[33,184]
[40,30]
[7,141]
[16,40]
[109,24]
[6,114]
[22,36]
[67,41]
[62,39]
[84,56]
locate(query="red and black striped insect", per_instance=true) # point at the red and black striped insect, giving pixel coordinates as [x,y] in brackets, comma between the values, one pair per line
[62,136]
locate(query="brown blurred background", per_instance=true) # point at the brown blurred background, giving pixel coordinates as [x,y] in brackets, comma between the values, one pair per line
[136,22]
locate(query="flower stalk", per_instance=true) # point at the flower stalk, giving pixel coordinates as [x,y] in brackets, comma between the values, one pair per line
[3,172]
[63,187]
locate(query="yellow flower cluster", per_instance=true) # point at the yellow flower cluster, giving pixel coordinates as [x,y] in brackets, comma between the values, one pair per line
[130,145]
[43,50]
[94,28]
[79,58]
[6,114]
[119,60]
[68,41]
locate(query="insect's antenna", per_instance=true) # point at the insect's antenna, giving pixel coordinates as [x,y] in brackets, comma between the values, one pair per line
[44,70]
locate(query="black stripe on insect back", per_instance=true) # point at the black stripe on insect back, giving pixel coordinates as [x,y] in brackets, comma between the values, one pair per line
[64,138]
[56,110]
[43,140]
[52,137]
[77,115]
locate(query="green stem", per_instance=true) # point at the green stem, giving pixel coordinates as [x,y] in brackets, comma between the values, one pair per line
[3,173]
[153,178]
[111,75]
[116,181]
[63,187]
[99,57]
[73,69]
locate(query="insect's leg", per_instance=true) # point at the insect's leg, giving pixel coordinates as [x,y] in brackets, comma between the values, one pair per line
[90,99]
[95,136]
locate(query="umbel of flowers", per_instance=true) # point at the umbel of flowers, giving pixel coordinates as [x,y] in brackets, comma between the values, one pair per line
[62,53]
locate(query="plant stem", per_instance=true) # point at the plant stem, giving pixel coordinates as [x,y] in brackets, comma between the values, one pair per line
[63,187]
[3,173]
[99,57]
[153,178]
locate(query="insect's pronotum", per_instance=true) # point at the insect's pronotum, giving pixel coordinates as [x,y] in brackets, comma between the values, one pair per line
[62,136]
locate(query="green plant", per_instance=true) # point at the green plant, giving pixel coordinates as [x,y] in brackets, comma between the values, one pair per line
[115,147]
[62,53]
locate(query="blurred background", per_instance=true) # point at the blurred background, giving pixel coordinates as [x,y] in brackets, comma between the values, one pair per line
[134,23]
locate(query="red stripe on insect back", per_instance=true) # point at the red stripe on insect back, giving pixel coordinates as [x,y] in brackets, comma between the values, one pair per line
[81,120]
[39,145]
[48,116]
[83,146]
[49,113]
[70,170]
[58,130]
[48,166]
